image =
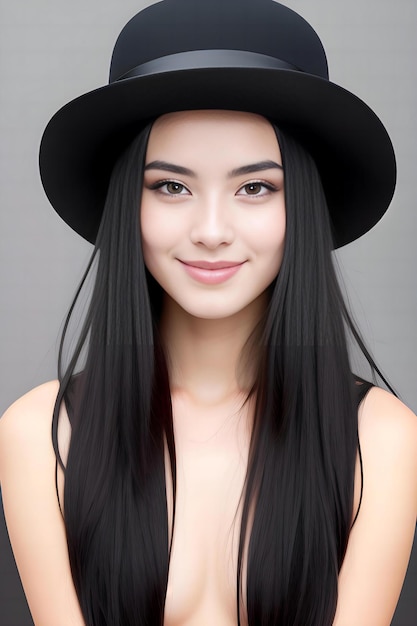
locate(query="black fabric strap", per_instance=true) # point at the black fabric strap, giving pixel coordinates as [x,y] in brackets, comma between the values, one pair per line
[362,387]
[204,59]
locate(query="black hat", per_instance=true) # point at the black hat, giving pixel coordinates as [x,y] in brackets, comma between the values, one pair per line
[246,55]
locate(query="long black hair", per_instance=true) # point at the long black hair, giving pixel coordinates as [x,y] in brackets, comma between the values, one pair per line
[300,475]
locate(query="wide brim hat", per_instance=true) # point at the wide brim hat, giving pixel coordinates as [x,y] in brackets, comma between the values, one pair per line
[244,55]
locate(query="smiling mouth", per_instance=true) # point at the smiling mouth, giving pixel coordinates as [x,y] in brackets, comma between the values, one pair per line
[213,265]
[211,272]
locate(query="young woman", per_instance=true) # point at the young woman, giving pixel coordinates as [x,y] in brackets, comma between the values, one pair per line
[215,459]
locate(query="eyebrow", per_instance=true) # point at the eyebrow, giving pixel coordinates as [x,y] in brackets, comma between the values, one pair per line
[238,171]
[254,167]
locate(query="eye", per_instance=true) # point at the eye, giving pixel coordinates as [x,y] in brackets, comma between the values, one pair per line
[170,188]
[174,188]
[256,188]
[253,189]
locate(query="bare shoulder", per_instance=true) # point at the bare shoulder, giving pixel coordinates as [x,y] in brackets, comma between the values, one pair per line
[33,517]
[385,416]
[388,437]
[380,542]
[26,421]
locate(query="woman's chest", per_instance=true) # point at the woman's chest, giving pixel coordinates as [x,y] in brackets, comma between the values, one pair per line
[211,460]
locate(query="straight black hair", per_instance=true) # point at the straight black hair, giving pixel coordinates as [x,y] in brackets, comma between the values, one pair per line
[300,474]
[304,443]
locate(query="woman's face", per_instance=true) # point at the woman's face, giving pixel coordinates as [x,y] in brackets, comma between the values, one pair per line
[213,209]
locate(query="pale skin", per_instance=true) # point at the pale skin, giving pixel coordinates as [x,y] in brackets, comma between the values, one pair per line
[208,215]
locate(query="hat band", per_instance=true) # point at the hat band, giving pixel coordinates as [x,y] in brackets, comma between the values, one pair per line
[200,59]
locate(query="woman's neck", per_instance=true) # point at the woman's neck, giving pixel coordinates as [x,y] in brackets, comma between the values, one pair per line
[204,355]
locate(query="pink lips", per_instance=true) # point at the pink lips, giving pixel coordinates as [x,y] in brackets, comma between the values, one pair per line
[211,273]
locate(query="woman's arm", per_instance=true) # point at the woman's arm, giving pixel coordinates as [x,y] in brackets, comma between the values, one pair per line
[381,540]
[35,525]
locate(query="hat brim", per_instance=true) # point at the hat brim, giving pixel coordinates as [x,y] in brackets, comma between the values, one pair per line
[346,139]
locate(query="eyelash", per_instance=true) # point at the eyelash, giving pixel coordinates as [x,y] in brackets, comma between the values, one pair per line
[162,183]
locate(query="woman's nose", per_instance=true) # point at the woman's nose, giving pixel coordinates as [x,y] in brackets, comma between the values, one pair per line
[212,225]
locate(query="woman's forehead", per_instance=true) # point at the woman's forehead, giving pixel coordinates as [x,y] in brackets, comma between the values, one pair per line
[214,117]
[212,133]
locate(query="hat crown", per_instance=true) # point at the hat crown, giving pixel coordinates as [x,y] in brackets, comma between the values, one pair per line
[260,26]
[239,55]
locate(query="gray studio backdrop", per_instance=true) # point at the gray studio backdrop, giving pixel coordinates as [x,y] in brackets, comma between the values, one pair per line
[54,50]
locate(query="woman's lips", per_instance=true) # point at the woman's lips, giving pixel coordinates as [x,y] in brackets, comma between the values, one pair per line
[211,273]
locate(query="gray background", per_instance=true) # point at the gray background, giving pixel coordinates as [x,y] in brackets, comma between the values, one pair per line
[50,52]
